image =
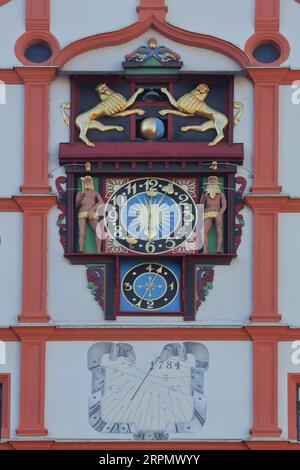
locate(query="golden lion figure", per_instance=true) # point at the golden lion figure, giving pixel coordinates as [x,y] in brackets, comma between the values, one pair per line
[193,104]
[113,105]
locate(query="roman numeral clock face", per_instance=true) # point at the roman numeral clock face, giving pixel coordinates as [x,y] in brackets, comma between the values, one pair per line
[150,216]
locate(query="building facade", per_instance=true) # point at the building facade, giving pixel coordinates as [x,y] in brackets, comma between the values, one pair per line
[146,339]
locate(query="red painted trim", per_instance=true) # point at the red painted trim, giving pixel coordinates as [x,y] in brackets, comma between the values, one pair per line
[155,8]
[137,29]
[265,259]
[265,37]
[265,382]
[267,15]
[10,77]
[203,445]
[275,204]
[6,383]
[36,117]
[7,334]
[32,386]
[149,334]
[37,15]
[266,82]
[9,205]
[138,151]
[282,333]
[32,37]
[293,381]
[35,236]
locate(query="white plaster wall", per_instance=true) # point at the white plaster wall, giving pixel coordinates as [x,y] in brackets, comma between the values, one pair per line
[244,131]
[285,366]
[70,302]
[289,120]
[289,27]
[289,262]
[111,58]
[72,20]
[12,367]
[230,300]
[60,92]
[232,20]
[227,385]
[12,25]
[11,233]
[12,139]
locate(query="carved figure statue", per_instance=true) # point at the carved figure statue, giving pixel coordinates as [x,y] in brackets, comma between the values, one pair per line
[112,104]
[215,204]
[193,104]
[87,202]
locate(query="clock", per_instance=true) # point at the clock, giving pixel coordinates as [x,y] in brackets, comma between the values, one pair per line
[150,287]
[147,391]
[151,215]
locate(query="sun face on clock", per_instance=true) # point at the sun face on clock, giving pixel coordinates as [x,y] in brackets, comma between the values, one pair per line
[150,215]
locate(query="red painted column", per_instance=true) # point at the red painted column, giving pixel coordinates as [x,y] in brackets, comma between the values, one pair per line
[266,126]
[267,15]
[36,118]
[32,386]
[156,8]
[35,234]
[37,15]
[265,257]
[265,381]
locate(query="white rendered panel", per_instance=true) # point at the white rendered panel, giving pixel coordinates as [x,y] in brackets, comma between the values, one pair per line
[11,233]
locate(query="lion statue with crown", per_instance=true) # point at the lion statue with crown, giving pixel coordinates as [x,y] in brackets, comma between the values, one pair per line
[112,104]
[193,104]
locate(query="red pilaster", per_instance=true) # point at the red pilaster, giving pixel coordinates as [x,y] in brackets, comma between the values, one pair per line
[36,118]
[265,257]
[156,8]
[266,83]
[32,387]
[35,233]
[267,15]
[5,381]
[265,381]
[37,15]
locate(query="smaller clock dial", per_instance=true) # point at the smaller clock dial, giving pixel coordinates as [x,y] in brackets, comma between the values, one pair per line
[150,287]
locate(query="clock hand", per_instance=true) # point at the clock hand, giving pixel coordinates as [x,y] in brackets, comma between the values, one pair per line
[159,271]
[149,371]
[168,189]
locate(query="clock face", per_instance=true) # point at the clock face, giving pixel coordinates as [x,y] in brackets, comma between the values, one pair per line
[150,390]
[150,215]
[150,287]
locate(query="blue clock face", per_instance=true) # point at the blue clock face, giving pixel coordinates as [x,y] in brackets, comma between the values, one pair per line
[152,286]
[151,216]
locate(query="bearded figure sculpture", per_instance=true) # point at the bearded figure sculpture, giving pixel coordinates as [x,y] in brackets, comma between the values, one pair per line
[215,204]
[88,202]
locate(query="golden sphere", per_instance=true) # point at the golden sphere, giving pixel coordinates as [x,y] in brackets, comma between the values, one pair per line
[152,128]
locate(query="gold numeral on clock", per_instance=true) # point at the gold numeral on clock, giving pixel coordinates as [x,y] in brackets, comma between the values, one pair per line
[128,287]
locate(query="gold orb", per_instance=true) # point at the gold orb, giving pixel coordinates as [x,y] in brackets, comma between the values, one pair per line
[152,128]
